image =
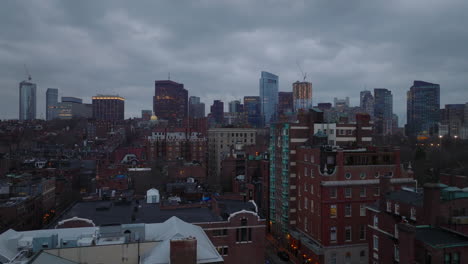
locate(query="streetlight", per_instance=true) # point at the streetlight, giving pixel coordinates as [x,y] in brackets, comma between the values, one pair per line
[440,140]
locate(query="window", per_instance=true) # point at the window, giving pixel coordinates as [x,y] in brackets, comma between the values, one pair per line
[348,210]
[312,189]
[348,233]
[376,221]
[220,232]
[222,250]
[312,158]
[305,157]
[362,254]
[447,258]
[375,243]
[350,132]
[305,172]
[312,206]
[396,231]
[332,192]
[362,232]
[362,192]
[397,253]
[413,213]
[389,206]
[348,258]
[305,188]
[377,191]
[244,234]
[397,209]
[377,174]
[342,131]
[333,258]
[299,191]
[348,175]
[362,175]
[333,211]
[332,234]
[348,192]
[305,202]
[456,258]
[305,224]
[362,210]
[332,131]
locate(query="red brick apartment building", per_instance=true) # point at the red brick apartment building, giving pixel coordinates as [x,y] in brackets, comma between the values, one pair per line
[334,186]
[414,226]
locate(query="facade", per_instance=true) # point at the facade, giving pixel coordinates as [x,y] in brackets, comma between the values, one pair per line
[285,104]
[366,102]
[196,108]
[414,226]
[217,111]
[108,107]
[453,117]
[51,101]
[235,107]
[268,97]
[302,95]
[27,100]
[170,101]
[252,110]
[334,186]
[341,103]
[383,111]
[346,133]
[423,104]
[220,143]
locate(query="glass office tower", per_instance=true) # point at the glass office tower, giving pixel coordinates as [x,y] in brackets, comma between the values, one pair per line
[423,108]
[268,97]
[27,100]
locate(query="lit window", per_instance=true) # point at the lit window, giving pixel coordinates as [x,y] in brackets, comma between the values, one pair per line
[348,210]
[348,192]
[362,210]
[348,233]
[333,211]
[332,234]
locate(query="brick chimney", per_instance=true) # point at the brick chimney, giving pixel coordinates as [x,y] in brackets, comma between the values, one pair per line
[406,235]
[184,251]
[432,202]
[385,188]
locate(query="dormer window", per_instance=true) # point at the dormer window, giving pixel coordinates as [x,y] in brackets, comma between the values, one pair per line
[413,213]
[397,209]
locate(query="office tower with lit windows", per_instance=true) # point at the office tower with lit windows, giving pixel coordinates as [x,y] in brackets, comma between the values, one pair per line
[423,108]
[108,107]
[170,101]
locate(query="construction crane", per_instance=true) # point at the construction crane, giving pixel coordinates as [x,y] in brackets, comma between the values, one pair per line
[303,74]
[27,72]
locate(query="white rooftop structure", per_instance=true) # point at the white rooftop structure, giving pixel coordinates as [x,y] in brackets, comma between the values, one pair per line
[152,196]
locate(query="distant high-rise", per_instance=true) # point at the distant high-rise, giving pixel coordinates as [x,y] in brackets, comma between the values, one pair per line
[217,111]
[285,104]
[383,111]
[146,114]
[302,95]
[367,102]
[268,96]
[108,107]
[196,108]
[235,106]
[27,100]
[423,108]
[170,101]
[252,110]
[51,103]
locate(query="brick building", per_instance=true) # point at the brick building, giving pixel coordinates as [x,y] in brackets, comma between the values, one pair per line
[414,226]
[333,187]
[170,101]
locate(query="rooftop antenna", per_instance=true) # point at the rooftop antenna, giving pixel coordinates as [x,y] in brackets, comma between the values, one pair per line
[27,72]
[303,75]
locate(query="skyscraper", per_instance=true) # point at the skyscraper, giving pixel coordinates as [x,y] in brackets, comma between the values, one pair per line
[423,108]
[108,107]
[383,111]
[196,108]
[268,96]
[27,100]
[367,102]
[170,101]
[285,104]
[217,111]
[235,106]
[51,102]
[252,110]
[302,95]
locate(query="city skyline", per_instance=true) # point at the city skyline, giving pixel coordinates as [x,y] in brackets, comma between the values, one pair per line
[340,61]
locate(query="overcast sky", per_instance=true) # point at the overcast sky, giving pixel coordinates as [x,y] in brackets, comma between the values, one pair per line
[217,48]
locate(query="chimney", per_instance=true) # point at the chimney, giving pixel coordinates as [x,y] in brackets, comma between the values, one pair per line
[406,235]
[432,202]
[385,187]
[184,251]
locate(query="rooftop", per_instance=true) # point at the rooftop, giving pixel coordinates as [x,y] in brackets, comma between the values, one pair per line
[440,238]
[121,213]
[407,197]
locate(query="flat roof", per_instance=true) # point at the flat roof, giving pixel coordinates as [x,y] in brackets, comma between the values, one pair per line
[121,213]
[440,238]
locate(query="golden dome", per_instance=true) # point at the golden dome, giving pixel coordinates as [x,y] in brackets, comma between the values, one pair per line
[154,117]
